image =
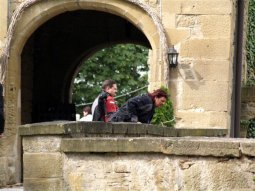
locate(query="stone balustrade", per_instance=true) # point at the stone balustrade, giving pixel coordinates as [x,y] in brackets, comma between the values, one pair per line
[119,156]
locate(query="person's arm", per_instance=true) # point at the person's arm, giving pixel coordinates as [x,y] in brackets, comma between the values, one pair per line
[101,103]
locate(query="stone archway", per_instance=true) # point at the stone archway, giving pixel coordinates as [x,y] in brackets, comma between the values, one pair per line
[39,13]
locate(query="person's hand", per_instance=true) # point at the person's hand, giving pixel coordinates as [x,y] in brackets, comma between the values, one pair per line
[134,118]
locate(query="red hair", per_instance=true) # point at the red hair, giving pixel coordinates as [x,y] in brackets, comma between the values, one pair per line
[158,93]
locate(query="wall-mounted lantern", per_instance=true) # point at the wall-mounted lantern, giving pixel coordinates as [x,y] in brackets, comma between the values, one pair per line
[172,55]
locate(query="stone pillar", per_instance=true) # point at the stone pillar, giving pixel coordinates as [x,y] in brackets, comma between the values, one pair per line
[3,21]
[42,163]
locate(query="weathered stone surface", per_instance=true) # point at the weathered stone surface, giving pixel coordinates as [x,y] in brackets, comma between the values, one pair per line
[43,128]
[209,70]
[195,7]
[154,172]
[3,20]
[3,171]
[41,144]
[100,129]
[248,148]
[205,98]
[200,119]
[141,163]
[49,184]
[216,175]
[172,146]
[215,26]
[177,35]
[200,31]
[42,165]
[206,48]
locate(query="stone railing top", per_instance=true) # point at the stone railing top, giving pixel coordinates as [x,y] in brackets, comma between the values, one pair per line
[101,129]
[179,146]
[99,137]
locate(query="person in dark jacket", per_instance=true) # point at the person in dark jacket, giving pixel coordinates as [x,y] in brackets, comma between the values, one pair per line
[140,108]
[105,104]
[1,111]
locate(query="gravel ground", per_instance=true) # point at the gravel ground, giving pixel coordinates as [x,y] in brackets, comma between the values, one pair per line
[16,187]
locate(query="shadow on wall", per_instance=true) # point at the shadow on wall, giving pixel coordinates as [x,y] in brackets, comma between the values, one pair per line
[1,111]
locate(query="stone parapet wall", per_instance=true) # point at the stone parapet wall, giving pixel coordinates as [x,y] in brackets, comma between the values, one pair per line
[100,129]
[201,86]
[55,159]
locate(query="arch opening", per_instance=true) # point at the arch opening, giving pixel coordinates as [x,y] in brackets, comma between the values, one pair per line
[53,53]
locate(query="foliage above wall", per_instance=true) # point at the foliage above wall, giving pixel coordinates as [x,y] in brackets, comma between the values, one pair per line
[250,44]
[124,63]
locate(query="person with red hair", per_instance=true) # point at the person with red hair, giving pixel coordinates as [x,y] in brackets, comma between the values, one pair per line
[140,108]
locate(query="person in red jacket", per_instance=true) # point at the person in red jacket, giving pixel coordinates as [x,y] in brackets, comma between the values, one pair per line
[105,105]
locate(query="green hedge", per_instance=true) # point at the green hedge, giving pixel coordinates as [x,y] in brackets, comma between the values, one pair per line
[250,44]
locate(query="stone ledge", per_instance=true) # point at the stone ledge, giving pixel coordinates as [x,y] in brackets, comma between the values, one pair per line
[186,146]
[101,129]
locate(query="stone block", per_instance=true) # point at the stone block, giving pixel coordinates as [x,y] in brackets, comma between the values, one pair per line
[203,147]
[168,20]
[176,36]
[37,144]
[212,96]
[119,128]
[215,174]
[186,21]
[206,49]
[3,171]
[215,26]
[201,132]
[248,147]
[138,129]
[196,7]
[190,119]
[147,24]
[42,165]
[155,130]
[45,184]
[119,172]
[209,70]
[169,132]
[3,19]
[49,128]
[109,145]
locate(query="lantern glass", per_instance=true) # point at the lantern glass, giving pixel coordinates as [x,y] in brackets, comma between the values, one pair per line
[172,57]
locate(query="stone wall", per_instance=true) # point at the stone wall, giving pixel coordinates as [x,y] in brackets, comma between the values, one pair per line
[76,156]
[201,31]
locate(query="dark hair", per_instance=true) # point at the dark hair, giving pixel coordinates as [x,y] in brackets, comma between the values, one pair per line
[108,83]
[158,93]
[87,109]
